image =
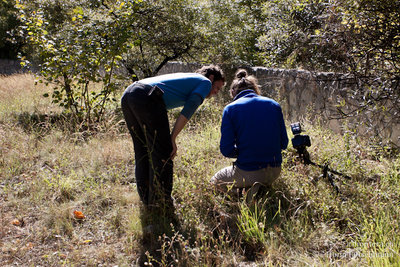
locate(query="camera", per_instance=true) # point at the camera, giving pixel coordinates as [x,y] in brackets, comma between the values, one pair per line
[299,141]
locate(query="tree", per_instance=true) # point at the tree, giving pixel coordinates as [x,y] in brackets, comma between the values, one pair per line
[358,37]
[8,24]
[232,28]
[78,55]
[163,31]
[80,45]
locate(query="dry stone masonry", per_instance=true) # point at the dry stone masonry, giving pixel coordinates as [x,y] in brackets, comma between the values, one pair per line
[304,95]
[318,95]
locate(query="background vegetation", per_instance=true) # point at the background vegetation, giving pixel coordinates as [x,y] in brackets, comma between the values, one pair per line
[76,44]
[71,152]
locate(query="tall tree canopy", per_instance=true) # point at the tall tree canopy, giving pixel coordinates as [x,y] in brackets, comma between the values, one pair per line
[79,43]
[360,37]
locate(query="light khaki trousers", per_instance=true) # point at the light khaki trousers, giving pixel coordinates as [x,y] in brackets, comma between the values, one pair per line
[233,176]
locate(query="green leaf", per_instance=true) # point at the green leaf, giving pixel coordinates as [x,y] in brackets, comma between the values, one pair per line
[78,10]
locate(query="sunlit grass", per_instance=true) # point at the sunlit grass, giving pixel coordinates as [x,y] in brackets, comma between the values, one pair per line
[48,171]
[19,94]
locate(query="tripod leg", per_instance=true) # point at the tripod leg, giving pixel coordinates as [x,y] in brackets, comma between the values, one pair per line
[332,182]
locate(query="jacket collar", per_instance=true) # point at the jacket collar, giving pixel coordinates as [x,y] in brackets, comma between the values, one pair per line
[244,93]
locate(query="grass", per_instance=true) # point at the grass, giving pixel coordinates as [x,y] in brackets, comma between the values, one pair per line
[48,171]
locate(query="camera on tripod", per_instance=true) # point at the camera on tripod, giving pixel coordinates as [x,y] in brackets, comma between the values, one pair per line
[299,141]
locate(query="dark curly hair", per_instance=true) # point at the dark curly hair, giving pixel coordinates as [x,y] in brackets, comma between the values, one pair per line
[212,70]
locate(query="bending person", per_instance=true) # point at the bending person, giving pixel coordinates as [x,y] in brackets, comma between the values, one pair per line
[252,131]
[145,104]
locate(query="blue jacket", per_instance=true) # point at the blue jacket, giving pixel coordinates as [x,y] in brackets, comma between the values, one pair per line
[253,131]
[182,89]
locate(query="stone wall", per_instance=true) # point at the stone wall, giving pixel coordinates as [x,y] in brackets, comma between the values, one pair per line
[308,95]
[302,95]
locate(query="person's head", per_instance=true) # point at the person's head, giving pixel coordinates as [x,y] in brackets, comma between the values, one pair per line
[243,81]
[215,74]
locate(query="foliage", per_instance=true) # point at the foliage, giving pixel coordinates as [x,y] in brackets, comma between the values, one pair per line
[161,32]
[356,37]
[77,45]
[9,47]
[232,29]
[77,55]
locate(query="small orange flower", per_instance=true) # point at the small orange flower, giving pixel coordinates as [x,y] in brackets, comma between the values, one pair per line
[79,215]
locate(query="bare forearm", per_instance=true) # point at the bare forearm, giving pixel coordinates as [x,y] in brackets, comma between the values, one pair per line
[179,125]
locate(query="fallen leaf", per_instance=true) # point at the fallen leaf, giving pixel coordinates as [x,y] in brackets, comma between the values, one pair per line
[17,222]
[79,215]
[28,246]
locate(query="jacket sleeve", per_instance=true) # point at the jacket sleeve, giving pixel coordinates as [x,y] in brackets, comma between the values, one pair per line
[228,140]
[284,137]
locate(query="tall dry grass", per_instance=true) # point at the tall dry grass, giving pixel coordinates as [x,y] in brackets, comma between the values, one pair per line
[18,94]
[48,171]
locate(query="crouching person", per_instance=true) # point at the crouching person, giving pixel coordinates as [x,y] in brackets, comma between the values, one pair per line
[252,131]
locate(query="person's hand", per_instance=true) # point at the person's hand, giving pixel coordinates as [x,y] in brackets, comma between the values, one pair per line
[174,149]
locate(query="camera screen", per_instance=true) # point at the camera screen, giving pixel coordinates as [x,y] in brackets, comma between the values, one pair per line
[296,128]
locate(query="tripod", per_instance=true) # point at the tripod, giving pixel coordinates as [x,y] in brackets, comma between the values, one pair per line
[326,171]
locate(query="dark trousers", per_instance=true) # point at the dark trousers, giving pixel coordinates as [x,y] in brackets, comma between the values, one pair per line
[147,120]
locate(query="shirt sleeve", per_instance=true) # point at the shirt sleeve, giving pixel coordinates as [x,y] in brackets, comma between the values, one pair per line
[196,98]
[228,141]
[193,102]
